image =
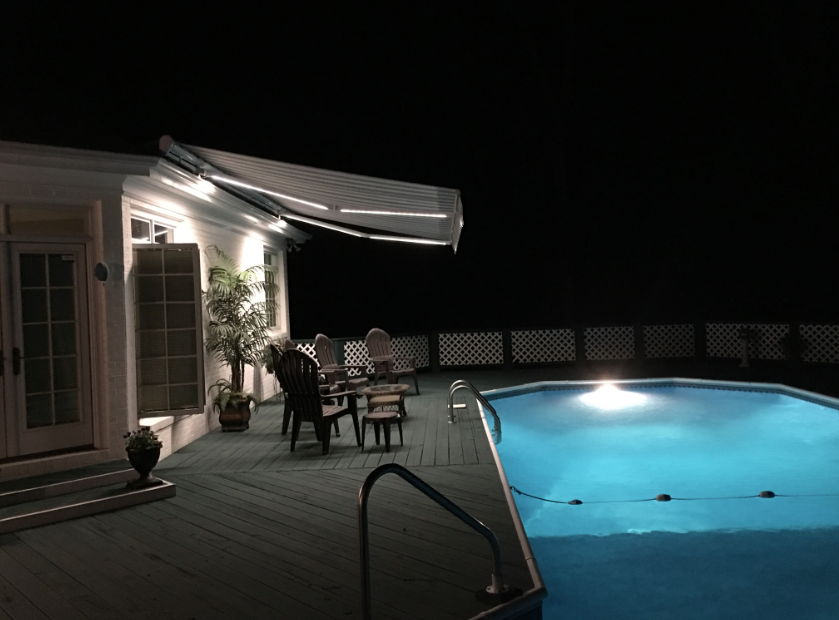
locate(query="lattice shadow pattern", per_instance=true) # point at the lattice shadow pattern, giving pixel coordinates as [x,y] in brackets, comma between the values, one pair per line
[471,349]
[722,340]
[610,343]
[669,341]
[823,343]
[543,345]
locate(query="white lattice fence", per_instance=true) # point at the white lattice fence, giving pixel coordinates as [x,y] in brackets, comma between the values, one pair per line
[722,340]
[355,354]
[309,349]
[412,346]
[669,341]
[610,343]
[543,345]
[823,343]
[471,349]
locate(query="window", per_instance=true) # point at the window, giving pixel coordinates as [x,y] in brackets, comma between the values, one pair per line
[270,260]
[149,231]
[168,329]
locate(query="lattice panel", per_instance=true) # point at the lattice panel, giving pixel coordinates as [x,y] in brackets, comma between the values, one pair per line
[413,346]
[355,354]
[610,343]
[309,349]
[669,341]
[543,345]
[471,349]
[723,341]
[823,343]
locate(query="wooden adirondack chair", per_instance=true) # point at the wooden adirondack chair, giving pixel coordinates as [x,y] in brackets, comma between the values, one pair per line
[381,354]
[338,375]
[299,376]
[276,354]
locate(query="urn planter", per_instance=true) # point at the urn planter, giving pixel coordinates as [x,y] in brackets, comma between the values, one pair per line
[143,461]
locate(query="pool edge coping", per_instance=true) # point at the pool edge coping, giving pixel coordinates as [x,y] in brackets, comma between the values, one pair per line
[534,596]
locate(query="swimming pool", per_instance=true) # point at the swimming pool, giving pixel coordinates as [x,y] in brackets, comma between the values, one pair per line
[716,549]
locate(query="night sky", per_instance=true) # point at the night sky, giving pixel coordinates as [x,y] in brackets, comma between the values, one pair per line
[618,162]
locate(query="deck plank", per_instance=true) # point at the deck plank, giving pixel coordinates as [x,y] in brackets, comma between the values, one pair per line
[257,531]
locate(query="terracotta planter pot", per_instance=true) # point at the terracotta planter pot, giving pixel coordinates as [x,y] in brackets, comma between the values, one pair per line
[235,417]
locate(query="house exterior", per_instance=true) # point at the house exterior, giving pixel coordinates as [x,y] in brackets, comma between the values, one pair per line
[103,257]
[83,361]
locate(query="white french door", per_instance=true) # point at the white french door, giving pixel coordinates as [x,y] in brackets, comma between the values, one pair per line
[46,385]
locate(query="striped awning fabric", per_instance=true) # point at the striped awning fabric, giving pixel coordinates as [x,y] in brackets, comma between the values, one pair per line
[347,202]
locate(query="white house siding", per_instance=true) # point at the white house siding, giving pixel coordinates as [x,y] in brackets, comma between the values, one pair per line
[112,187]
[247,250]
[62,180]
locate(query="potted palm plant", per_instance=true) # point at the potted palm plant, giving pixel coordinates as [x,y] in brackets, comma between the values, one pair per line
[237,303]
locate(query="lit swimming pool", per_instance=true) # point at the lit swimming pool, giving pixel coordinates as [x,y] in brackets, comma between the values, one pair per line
[716,549]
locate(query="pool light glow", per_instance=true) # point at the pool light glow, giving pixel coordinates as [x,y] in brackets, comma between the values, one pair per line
[609,398]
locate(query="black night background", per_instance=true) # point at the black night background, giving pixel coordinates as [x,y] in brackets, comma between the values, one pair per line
[618,162]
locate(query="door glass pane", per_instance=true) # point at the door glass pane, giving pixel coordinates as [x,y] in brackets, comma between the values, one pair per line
[63,339]
[67,407]
[38,410]
[32,270]
[50,351]
[37,373]
[61,269]
[37,338]
[34,305]
[62,304]
[64,373]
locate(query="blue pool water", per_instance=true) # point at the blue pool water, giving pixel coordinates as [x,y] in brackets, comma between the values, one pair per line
[700,556]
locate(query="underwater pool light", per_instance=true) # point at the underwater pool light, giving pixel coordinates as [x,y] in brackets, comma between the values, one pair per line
[609,398]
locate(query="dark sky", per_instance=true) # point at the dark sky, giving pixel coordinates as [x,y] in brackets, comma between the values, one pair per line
[619,162]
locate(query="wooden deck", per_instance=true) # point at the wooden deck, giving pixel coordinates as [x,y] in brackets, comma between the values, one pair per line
[259,532]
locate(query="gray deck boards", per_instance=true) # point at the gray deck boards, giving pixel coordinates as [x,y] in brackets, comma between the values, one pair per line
[257,531]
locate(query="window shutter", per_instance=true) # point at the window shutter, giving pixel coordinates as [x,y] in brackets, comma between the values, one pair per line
[168,329]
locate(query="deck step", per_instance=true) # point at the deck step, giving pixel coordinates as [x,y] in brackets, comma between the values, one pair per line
[25,508]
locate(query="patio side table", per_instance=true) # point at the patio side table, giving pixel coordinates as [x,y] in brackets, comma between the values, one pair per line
[390,395]
[381,418]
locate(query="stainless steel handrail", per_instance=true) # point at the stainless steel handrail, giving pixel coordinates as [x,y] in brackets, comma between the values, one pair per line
[464,384]
[497,586]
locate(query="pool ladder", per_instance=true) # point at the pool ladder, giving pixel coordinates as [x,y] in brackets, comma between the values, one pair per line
[462,384]
[496,593]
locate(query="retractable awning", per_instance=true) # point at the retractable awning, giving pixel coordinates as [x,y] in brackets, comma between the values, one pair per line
[340,201]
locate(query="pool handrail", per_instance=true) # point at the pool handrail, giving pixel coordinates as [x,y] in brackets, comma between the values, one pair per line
[496,586]
[464,384]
